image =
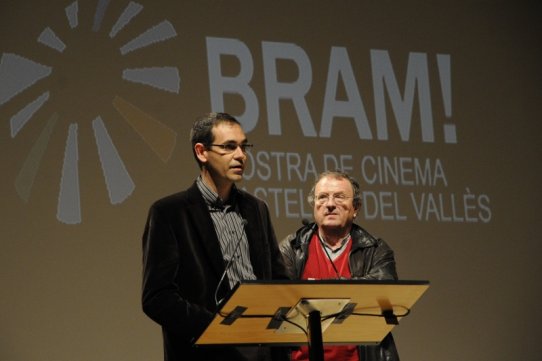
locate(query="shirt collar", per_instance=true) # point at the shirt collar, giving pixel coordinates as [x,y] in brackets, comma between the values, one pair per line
[343,242]
[212,199]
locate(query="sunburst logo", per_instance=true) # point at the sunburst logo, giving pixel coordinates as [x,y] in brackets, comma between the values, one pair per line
[83,50]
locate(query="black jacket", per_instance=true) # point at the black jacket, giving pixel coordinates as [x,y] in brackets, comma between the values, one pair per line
[370,259]
[182,265]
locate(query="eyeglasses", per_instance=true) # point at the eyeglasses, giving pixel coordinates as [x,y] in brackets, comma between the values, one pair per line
[339,198]
[231,147]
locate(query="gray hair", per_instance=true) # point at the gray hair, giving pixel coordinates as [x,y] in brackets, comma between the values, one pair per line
[338,175]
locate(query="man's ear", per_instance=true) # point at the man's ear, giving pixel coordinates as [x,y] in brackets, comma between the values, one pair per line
[356,209]
[201,152]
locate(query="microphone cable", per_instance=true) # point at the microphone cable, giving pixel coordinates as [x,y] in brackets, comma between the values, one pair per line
[244,222]
[314,227]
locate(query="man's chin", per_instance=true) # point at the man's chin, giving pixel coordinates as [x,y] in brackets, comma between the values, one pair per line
[236,177]
[332,225]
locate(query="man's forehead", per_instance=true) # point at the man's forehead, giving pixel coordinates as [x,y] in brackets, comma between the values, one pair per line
[333,184]
[228,131]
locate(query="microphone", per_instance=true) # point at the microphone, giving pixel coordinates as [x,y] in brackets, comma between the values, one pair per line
[244,222]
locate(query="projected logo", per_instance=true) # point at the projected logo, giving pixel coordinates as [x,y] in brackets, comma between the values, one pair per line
[91,61]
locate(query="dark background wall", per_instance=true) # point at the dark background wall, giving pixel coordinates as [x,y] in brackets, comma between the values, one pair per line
[433,106]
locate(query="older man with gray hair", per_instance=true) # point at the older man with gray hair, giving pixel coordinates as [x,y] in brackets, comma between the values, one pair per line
[334,247]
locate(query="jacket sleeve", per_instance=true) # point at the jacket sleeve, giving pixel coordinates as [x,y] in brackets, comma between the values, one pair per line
[385,351]
[288,255]
[278,269]
[381,265]
[161,297]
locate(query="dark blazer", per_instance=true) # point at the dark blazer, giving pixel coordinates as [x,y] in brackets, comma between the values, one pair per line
[182,265]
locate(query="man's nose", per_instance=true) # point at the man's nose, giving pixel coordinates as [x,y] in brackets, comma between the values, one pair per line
[239,153]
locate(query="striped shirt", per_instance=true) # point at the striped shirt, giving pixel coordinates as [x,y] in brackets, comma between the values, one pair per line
[230,230]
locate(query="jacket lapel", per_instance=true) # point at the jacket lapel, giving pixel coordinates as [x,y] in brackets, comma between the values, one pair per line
[205,231]
[255,235]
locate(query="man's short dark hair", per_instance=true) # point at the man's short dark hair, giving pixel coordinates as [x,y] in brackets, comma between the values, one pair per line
[202,129]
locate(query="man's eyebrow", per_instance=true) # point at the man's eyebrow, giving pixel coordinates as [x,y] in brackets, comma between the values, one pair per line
[234,141]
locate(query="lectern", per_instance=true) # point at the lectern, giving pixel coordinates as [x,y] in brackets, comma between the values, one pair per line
[289,313]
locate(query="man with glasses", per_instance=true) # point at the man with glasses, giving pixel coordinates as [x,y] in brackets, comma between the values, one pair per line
[199,243]
[334,247]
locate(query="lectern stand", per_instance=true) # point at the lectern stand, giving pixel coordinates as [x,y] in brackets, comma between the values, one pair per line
[289,313]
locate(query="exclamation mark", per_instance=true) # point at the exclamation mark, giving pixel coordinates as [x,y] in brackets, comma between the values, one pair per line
[444,69]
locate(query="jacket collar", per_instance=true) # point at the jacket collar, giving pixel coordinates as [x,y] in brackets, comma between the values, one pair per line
[204,223]
[360,237]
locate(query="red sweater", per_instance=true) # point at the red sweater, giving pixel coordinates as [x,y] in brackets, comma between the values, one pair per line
[319,266]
